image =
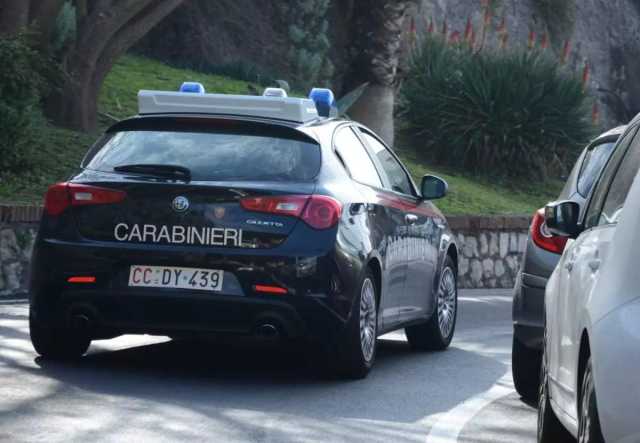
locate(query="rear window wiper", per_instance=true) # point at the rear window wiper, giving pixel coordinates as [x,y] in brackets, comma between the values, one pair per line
[164,171]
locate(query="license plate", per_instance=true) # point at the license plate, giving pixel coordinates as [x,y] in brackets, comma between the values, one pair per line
[177,278]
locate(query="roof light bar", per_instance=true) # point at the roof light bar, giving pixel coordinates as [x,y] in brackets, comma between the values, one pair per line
[299,110]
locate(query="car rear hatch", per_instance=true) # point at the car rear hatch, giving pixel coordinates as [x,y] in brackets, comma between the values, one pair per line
[195,182]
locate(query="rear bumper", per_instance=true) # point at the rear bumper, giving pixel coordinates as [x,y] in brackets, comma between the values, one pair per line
[317,305]
[169,313]
[528,309]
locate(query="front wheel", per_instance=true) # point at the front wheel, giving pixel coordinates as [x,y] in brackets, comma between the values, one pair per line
[589,430]
[437,333]
[550,430]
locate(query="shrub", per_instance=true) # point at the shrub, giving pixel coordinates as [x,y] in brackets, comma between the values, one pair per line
[504,112]
[22,83]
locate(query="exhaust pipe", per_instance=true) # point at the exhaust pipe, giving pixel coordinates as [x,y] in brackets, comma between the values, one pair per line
[267,331]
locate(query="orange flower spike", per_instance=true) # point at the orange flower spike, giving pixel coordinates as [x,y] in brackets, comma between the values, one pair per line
[586,74]
[431,27]
[487,16]
[545,41]
[532,39]
[412,31]
[472,39]
[455,37]
[566,50]
[468,30]
[504,40]
[595,113]
[503,25]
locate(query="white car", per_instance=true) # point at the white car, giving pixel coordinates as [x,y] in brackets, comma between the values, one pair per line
[590,384]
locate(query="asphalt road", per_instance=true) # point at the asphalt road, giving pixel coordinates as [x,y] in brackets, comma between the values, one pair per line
[152,389]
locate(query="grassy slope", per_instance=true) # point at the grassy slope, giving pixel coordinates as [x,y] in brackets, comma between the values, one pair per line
[64,149]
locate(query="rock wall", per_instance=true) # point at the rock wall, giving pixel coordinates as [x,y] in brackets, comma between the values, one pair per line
[490,248]
[18,228]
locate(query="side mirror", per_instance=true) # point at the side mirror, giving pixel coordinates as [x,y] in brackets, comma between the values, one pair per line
[562,218]
[433,188]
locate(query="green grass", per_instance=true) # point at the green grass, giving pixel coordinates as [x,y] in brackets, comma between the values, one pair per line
[119,96]
[480,195]
[62,150]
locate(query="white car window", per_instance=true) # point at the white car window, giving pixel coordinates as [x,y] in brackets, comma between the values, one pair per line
[621,184]
[592,217]
[593,163]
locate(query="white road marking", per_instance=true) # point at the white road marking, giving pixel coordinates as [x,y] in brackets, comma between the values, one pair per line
[448,427]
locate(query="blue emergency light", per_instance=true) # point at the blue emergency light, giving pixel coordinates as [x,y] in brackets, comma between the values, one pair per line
[324,100]
[192,88]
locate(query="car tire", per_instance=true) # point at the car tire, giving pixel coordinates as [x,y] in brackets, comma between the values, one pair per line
[57,343]
[437,333]
[550,430]
[358,352]
[589,430]
[525,367]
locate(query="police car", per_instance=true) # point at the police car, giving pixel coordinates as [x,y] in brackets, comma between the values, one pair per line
[225,214]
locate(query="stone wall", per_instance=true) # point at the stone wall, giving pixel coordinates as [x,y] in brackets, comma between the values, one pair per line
[490,248]
[18,228]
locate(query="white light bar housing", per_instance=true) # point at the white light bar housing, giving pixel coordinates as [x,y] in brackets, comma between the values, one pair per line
[300,110]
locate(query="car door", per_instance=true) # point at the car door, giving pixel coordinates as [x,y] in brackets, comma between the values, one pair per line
[421,240]
[386,221]
[584,259]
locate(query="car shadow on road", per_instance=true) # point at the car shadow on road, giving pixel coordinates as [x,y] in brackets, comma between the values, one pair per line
[247,385]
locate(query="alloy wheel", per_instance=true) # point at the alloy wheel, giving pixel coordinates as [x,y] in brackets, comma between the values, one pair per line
[447,302]
[368,319]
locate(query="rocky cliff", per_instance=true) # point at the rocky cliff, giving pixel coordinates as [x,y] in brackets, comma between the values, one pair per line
[603,33]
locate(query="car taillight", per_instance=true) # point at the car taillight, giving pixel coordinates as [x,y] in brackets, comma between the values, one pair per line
[318,211]
[62,195]
[543,238]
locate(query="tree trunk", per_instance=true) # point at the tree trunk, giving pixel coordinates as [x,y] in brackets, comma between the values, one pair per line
[14,15]
[105,32]
[377,31]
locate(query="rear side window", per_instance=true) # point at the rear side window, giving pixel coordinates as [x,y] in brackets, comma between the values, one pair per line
[355,157]
[210,155]
[594,161]
[398,179]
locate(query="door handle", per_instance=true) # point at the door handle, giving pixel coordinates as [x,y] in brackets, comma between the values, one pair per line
[594,265]
[411,219]
[568,266]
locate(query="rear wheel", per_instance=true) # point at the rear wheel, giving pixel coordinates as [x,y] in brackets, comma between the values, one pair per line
[359,345]
[437,333]
[56,342]
[589,430]
[525,367]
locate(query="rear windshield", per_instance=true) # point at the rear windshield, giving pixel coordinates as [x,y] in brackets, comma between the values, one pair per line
[210,156]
